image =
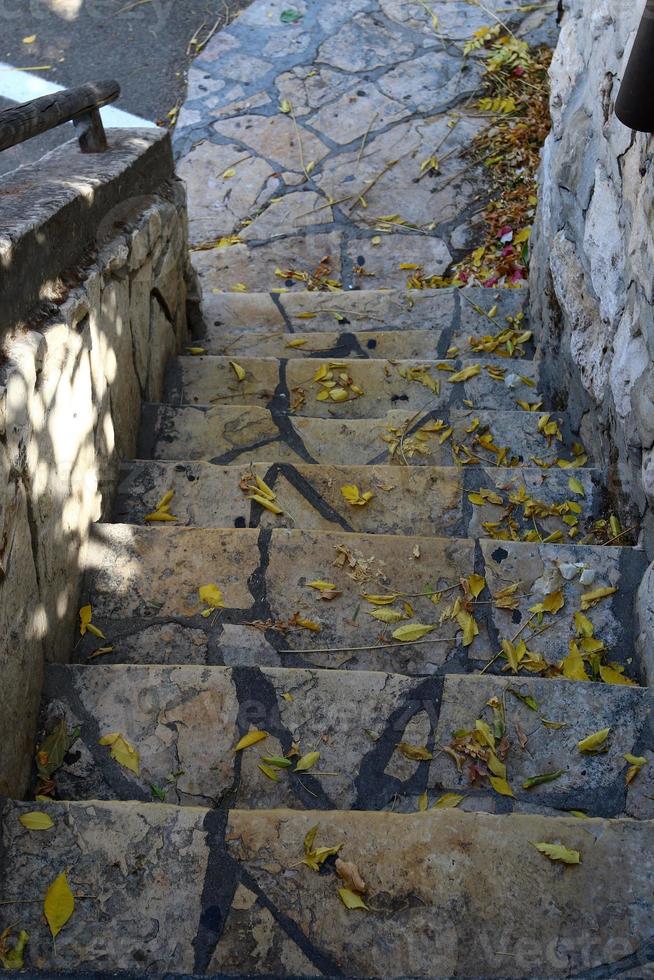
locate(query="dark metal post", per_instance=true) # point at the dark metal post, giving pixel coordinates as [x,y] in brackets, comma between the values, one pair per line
[635,103]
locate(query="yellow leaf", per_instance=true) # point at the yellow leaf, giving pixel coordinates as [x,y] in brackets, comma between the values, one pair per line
[85,625]
[423,802]
[307,762]
[250,739]
[557,852]
[388,616]
[321,585]
[159,515]
[196,351]
[465,374]
[552,603]
[576,486]
[354,496]
[350,899]
[269,772]
[610,675]
[36,820]
[306,624]
[589,599]
[477,584]
[468,625]
[124,753]
[501,786]
[298,342]
[448,801]
[416,753]
[573,666]
[238,370]
[338,394]
[285,106]
[595,742]
[229,173]
[211,596]
[13,958]
[30,39]
[411,632]
[583,625]
[379,600]
[59,904]
[266,503]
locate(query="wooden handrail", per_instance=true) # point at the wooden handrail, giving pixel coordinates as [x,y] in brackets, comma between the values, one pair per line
[77,105]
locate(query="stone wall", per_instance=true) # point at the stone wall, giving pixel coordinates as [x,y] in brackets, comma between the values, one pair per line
[74,369]
[593,252]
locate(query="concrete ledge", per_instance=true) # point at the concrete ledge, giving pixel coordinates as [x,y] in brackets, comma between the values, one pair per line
[52,211]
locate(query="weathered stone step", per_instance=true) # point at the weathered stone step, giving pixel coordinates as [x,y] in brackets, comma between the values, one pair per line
[336,389]
[238,434]
[346,344]
[188,890]
[365,310]
[143,587]
[188,720]
[407,500]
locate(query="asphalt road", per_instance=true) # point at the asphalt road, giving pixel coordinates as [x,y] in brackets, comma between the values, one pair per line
[143,44]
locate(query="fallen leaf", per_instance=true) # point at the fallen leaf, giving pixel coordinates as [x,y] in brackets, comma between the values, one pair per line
[212,596]
[595,742]
[557,852]
[465,374]
[52,751]
[414,752]
[269,771]
[123,752]
[307,762]
[552,603]
[348,872]
[411,632]
[636,763]
[380,600]
[526,699]
[501,786]
[13,958]
[59,904]
[250,739]
[423,802]
[388,616]
[35,820]
[589,599]
[576,486]
[545,777]
[477,584]
[86,626]
[448,801]
[238,370]
[610,675]
[351,900]
[354,496]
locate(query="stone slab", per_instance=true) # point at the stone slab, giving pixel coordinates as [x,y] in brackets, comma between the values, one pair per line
[229,434]
[355,719]
[417,500]
[384,385]
[442,887]
[341,345]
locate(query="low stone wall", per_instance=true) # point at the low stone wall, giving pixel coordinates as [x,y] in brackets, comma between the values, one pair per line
[592,281]
[104,307]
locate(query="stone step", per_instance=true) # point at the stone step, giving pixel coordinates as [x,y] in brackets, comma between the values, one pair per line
[463,310]
[369,388]
[187,720]
[449,893]
[236,434]
[418,500]
[346,345]
[143,587]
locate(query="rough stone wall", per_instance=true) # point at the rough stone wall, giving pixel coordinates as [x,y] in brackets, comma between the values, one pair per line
[71,386]
[593,252]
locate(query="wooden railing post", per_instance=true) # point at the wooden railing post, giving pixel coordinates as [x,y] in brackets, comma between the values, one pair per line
[77,105]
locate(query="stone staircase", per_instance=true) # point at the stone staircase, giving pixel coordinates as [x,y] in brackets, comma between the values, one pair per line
[471,513]
[194,863]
